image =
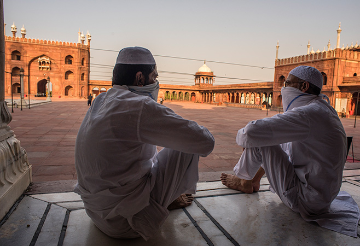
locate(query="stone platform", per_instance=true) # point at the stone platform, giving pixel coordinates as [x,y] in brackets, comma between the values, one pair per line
[218,216]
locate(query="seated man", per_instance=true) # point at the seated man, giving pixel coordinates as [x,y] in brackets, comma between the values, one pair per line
[126,185]
[302,152]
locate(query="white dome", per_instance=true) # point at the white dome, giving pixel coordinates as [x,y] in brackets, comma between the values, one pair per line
[204,68]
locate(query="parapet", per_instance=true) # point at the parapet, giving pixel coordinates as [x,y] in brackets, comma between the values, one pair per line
[320,55]
[41,41]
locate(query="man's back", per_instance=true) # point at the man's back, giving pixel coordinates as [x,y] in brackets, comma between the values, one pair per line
[116,144]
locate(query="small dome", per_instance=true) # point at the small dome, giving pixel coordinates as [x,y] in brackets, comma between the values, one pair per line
[204,68]
[82,36]
[23,30]
[13,27]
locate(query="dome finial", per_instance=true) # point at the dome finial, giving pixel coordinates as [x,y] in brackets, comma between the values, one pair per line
[23,31]
[13,29]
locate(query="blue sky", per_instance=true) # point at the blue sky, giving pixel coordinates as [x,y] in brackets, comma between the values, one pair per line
[235,31]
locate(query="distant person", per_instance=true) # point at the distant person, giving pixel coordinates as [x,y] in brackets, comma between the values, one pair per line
[302,152]
[90,97]
[126,185]
[161,100]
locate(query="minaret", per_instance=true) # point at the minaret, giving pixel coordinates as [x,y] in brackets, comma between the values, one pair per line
[13,29]
[88,36]
[328,45]
[79,36]
[338,36]
[82,37]
[308,47]
[23,32]
[277,51]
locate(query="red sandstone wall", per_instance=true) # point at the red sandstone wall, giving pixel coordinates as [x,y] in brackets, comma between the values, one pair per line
[32,49]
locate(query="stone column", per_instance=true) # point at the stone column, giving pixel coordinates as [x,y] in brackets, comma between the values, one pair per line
[15,171]
[22,102]
[48,98]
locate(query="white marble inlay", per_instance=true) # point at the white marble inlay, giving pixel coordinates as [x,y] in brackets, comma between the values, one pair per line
[51,229]
[262,219]
[19,229]
[209,228]
[58,197]
[71,205]
[176,231]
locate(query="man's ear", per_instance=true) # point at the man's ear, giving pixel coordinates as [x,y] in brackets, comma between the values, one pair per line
[139,79]
[305,86]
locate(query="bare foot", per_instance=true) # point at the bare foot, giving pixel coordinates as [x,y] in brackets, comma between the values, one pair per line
[256,185]
[236,183]
[182,201]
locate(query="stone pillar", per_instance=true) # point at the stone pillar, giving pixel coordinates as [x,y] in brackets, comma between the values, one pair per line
[48,98]
[15,171]
[22,102]
[277,51]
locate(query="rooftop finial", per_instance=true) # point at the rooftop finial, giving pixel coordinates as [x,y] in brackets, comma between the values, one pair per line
[79,36]
[23,32]
[13,29]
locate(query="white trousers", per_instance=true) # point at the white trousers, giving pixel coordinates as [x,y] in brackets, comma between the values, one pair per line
[173,174]
[279,171]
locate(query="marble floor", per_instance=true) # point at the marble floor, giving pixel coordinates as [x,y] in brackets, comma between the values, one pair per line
[218,216]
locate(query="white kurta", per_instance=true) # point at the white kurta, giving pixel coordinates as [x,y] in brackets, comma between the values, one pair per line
[313,146]
[115,153]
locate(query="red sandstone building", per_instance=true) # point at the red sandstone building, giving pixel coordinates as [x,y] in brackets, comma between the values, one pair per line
[340,68]
[66,65]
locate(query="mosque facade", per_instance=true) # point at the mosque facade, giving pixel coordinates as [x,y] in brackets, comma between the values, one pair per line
[65,68]
[248,95]
[62,67]
[339,67]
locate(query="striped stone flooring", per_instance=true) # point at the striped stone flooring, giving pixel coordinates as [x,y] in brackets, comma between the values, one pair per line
[218,216]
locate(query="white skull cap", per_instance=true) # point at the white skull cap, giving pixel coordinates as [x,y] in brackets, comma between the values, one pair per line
[309,74]
[135,55]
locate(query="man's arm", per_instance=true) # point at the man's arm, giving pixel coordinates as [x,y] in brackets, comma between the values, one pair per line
[160,126]
[291,126]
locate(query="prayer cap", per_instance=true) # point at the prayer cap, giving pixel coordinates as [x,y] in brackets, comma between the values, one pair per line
[309,74]
[135,55]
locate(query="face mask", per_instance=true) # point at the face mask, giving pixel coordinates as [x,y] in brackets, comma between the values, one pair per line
[151,90]
[291,97]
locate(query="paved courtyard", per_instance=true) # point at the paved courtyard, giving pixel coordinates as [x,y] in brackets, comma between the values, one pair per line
[48,133]
[218,216]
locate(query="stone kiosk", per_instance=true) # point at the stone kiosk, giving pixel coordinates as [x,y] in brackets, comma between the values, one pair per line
[15,171]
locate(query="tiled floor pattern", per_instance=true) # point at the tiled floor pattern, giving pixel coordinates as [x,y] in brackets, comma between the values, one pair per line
[219,216]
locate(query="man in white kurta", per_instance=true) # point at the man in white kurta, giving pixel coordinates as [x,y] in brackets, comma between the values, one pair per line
[302,152]
[126,185]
